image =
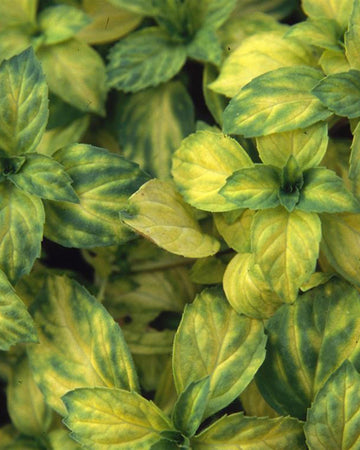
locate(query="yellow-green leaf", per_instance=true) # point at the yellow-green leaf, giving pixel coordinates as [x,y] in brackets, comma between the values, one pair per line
[214,340]
[208,270]
[137,6]
[254,403]
[235,228]
[60,439]
[241,432]
[352,37]
[15,13]
[80,343]
[12,42]
[130,421]
[158,212]
[334,61]
[338,10]
[201,166]
[277,8]
[286,247]
[319,32]
[354,169]
[215,102]
[246,289]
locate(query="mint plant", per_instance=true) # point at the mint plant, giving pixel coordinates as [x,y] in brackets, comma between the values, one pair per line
[199,160]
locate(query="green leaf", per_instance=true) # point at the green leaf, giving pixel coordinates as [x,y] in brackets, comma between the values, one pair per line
[308,146]
[341,93]
[205,47]
[341,244]
[144,7]
[277,8]
[157,212]
[261,433]
[338,10]
[235,227]
[61,22]
[16,324]
[130,421]
[21,222]
[146,138]
[333,421]
[60,439]
[201,166]
[208,270]
[103,182]
[286,247]
[253,187]
[13,41]
[215,103]
[44,177]
[324,191]
[257,55]
[190,406]
[80,343]
[354,169]
[24,98]
[75,73]
[15,13]
[246,289]
[213,340]
[27,408]
[352,37]
[307,342]
[143,59]
[280,100]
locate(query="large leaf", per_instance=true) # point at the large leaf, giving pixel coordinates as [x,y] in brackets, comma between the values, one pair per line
[241,432]
[75,73]
[333,421]
[308,146]
[338,10]
[320,32]
[307,342]
[130,421]
[214,340]
[286,247]
[21,222]
[280,100]
[103,182]
[352,37]
[16,324]
[201,166]
[14,13]
[158,212]
[148,139]
[24,98]
[143,59]
[80,343]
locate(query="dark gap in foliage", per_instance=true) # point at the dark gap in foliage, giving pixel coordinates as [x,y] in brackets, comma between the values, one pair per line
[168,320]
[341,129]
[4,416]
[233,407]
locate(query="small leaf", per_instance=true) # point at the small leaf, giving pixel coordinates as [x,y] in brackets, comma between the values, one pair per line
[16,324]
[143,59]
[80,343]
[253,187]
[24,97]
[201,166]
[280,100]
[341,93]
[235,228]
[331,9]
[205,47]
[59,439]
[352,37]
[214,340]
[332,61]
[130,420]
[61,22]
[44,177]
[158,212]
[190,406]
[333,421]
[286,247]
[324,191]
[260,433]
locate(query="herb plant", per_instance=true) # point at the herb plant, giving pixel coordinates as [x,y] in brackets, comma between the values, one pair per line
[200,161]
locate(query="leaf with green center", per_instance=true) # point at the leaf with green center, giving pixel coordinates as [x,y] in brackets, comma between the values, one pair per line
[333,421]
[257,55]
[308,146]
[280,100]
[241,432]
[352,37]
[61,22]
[80,343]
[201,166]
[44,177]
[24,97]
[190,406]
[130,420]
[16,324]
[338,10]
[253,187]
[324,191]
[158,212]
[213,340]
[16,13]
[148,139]
[103,181]
[286,247]
[291,183]
[340,92]
[21,222]
[143,59]
[205,47]
[75,73]
[307,342]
